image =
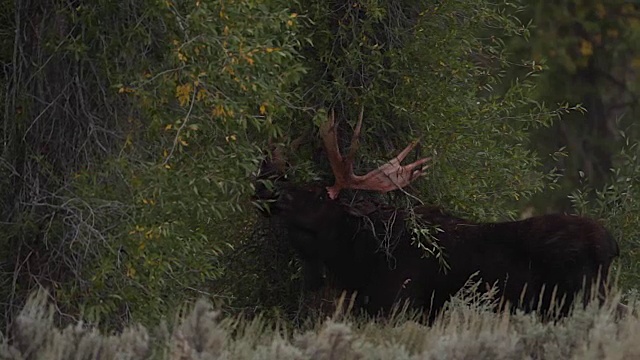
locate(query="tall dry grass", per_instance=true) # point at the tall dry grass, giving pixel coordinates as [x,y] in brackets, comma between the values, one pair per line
[467,330]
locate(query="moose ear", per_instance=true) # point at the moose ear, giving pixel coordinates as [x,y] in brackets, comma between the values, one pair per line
[275,160]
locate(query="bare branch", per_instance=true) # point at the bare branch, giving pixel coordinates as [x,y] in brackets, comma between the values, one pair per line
[184,123]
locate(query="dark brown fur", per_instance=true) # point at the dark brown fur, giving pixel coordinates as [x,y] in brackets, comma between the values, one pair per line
[557,253]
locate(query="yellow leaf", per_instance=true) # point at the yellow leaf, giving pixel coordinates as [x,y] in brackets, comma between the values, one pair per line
[230,138]
[294,15]
[128,141]
[183,93]
[263,108]
[270,49]
[183,142]
[142,246]
[182,57]
[586,48]
[218,110]
[131,272]
[168,127]
[167,166]
[201,94]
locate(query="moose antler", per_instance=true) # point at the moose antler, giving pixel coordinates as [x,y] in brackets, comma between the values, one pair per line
[389,176]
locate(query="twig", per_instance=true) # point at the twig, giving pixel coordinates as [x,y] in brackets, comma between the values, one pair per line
[50,104]
[184,123]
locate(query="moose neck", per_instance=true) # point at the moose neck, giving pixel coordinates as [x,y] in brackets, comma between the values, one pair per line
[354,247]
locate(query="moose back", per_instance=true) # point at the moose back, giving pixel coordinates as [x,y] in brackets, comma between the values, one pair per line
[541,263]
[538,263]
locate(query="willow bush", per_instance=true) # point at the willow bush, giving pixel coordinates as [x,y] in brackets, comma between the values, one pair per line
[206,107]
[133,129]
[615,203]
[422,70]
[590,52]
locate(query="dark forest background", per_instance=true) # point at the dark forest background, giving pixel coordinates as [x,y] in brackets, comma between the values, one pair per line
[132,130]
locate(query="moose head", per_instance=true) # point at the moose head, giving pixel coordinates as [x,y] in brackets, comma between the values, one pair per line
[368,248]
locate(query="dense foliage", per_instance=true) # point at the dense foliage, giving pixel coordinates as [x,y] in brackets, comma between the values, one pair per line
[132,129]
[591,54]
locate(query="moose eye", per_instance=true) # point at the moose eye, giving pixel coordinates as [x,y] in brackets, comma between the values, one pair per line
[320,194]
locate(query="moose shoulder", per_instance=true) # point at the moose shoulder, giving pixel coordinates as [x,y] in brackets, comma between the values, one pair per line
[539,263]
[530,262]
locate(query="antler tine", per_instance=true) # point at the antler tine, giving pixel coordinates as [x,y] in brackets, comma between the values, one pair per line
[355,139]
[389,176]
[342,169]
[327,132]
[403,154]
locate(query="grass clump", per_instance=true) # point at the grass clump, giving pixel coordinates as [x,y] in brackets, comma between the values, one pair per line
[468,330]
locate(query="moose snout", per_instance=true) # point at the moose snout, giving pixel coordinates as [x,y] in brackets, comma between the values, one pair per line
[284,201]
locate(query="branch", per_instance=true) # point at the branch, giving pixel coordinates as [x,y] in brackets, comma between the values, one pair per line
[184,123]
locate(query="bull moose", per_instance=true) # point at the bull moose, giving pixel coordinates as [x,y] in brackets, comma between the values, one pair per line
[541,263]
